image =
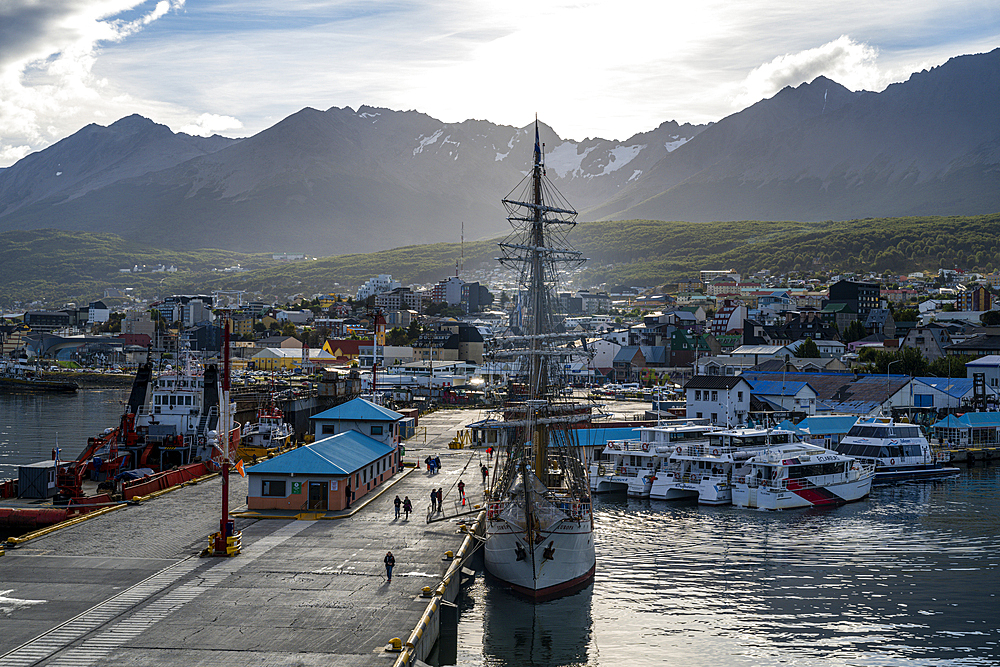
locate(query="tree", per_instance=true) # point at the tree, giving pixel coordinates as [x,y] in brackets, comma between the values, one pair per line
[907,315]
[990,318]
[807,350]
[288,329]
[854,331]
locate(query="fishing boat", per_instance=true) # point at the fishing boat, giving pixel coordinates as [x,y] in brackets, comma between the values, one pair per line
[634,466]
[704,469]
[539,528]
[269,435]
[798,474]
[899,451]
[175,419]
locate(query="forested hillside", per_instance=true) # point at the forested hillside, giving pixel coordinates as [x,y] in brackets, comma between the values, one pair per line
[60,266]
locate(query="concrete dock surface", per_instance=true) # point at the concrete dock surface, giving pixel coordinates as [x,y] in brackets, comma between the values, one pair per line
[129,588]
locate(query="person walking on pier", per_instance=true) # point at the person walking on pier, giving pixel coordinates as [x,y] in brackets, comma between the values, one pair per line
[407,506]
[486,473]
[489,453]
[440,499]
[461,490]
[398,503]
[434,500]
[390,562]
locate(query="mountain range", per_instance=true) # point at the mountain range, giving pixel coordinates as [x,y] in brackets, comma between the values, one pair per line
[343,181]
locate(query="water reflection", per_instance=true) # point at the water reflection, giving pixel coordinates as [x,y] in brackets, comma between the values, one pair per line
[907,576]
[549,633]
[31,424]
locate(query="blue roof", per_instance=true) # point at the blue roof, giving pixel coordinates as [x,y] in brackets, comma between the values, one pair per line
[954,387]
[951,421]
[826,424]
[340,454]
[600,436]
[780,388]
[358,409]
[981,419]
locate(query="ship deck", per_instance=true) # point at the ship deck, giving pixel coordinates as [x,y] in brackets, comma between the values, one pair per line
[128,588]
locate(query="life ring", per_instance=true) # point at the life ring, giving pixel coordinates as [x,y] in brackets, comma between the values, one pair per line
[715,452]
[494,512]
[645,446]
[201,440]
[892,462]
[678,450]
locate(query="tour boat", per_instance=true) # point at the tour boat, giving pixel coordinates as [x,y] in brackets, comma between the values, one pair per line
[633,466]
[798,474]
[704,470]
[899,451]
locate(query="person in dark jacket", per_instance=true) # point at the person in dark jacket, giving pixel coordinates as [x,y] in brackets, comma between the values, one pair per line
[390,562]
[398,503]
[407,507]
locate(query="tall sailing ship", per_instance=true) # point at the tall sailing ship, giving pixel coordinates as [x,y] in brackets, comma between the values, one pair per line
[539,534]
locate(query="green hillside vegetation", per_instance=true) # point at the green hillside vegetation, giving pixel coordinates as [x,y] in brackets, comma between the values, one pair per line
[63,266]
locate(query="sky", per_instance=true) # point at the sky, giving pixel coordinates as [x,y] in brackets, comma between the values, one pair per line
[588,68]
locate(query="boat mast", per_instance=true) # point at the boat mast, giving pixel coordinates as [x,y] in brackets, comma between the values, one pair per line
[537,364]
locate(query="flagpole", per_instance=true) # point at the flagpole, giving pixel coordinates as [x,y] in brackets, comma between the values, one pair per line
[224,521]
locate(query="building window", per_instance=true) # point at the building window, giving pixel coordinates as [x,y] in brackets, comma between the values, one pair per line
[715,395]
[377,430]
[329,429]
[273,487]
[697,395]
[715,418]
[697,415]
[739,396]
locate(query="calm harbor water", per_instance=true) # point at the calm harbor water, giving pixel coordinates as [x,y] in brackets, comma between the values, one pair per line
[31,424]
[909,576]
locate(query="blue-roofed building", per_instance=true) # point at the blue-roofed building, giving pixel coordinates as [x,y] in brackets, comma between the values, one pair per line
[946,393]
[359,415]
[973,429]
[794,396]
[326,475]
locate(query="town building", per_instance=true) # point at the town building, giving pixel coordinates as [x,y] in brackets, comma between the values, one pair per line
[723,400]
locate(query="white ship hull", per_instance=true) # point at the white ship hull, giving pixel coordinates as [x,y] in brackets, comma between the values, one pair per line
[709,489]
[564,560]
[779,498]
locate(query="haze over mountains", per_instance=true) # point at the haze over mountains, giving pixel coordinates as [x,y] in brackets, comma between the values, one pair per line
[342,181]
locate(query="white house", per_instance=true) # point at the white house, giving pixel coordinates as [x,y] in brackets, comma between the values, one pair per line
[374,421]
[723,400]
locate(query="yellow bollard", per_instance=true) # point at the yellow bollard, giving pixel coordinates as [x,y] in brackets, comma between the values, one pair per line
[448,555]
[395,645]
[426,592]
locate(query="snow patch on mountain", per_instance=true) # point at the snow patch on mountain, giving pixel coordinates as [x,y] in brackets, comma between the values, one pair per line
[621,156]
[427,141]
[677,142]
[566,159]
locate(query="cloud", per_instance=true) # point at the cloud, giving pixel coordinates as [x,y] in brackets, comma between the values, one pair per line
[47,53]
[210,123]
[849,63]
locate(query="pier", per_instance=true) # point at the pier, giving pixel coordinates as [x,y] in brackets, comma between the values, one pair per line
[130,587]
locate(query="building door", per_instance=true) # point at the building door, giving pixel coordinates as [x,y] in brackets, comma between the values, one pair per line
[318,494]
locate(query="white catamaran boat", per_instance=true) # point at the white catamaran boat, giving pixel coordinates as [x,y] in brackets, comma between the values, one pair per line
[899,451]
[800,475]
[539,532]
[633,466]
[704,470]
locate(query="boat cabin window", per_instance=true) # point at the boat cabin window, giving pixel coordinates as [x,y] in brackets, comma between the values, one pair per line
[798,472]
